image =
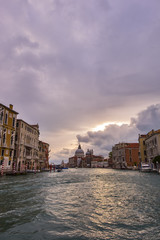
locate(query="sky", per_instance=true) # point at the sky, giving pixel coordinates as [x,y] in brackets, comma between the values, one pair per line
[85,71]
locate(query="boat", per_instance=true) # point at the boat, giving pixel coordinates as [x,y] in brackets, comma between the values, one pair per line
[59,170]
[145,167]
[45,170]
[32,171]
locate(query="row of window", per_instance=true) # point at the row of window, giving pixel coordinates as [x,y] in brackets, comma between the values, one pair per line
[28,129]
[6,118]
[4,137]
[151,142]
[27,139]
[3,151]
[152,152]
[9,162]
[29,152]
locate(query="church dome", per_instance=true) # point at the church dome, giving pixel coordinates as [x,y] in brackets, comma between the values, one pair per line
[79,152]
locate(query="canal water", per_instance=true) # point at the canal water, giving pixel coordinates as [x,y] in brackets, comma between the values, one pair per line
[80,204]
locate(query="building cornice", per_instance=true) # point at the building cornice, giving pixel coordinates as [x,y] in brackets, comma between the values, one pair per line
[9,109]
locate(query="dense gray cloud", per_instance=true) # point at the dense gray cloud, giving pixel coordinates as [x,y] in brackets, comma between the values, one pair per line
[148,119]
[71,65]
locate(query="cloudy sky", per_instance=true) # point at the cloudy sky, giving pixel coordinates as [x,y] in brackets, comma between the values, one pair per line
[86,71]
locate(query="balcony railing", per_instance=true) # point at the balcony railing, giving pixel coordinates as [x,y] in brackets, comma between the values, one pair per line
[4,144]
[12,146]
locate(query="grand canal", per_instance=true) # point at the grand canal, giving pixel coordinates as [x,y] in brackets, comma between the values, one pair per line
[80,204]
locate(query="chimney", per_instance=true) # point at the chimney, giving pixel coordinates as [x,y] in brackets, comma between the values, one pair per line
[11,106]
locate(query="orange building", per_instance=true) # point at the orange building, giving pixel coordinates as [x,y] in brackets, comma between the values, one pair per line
[125,155]
[131,154]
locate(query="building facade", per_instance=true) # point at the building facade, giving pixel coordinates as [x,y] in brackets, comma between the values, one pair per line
[26,146]
[132,155]
[72,162]
[118,156]
[8,118]
[89,156]
[86,161]
[97,161]
[125,155]
[152,143]
[78,160]
[142,148]
[43,155]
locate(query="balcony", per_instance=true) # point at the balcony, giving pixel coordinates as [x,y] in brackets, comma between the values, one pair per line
[4,144]
[41,161]
[28,157]
[28,144]
[12,146]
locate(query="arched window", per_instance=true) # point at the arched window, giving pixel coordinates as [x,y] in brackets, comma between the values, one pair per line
[12,137]
[11,140]
[13,123]
[4,136]
[6,118]
[1,114]
[0,133]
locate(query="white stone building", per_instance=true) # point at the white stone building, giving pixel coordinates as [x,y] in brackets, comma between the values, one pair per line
[26,147]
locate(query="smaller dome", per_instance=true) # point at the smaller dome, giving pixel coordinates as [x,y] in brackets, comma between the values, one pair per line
[89,152]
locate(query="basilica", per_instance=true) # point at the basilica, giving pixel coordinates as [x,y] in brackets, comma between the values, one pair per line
[88,160]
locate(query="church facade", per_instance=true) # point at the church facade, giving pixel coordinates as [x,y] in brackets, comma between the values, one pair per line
[88,160]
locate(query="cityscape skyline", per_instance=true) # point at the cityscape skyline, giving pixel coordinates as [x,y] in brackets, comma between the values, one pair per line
[86,72]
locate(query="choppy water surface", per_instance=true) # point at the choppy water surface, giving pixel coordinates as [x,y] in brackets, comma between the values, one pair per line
[80,204]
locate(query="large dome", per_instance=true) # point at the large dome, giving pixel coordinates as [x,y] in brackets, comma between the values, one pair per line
[79,152]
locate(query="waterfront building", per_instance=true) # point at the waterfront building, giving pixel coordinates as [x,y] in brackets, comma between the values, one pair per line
[142,148]
[8,118]
[62,165]
[86,161]
[78,160]
[106,163]
[118,155]
[43,155]
[97,161]
[131,155]
[152,143]
[26,146]
[89,155]
[110,162]
[72,162]
[125,155]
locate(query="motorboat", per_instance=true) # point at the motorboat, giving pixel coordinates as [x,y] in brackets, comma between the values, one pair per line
[32,171]
[59,170]
[145,167]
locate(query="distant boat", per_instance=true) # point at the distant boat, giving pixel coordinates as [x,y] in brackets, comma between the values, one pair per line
[145,167]
[59,170]
[45,170]
[32,171]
